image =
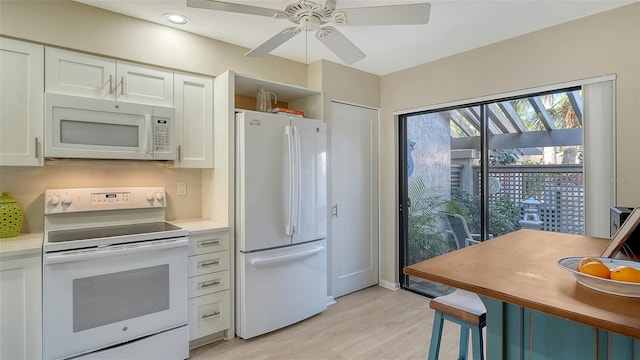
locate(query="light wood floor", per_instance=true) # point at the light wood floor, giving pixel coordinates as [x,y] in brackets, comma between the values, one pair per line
[373,324]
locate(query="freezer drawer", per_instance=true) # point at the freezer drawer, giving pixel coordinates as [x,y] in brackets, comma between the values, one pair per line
[280,287]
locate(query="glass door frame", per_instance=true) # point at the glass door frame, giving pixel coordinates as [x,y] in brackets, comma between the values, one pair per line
[404,202]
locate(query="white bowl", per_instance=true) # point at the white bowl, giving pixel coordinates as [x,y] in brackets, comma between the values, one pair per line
[609,286]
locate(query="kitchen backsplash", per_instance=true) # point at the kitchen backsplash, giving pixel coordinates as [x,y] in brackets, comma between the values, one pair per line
[27,184]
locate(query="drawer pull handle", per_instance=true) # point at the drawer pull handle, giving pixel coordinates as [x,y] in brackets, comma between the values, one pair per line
[210,283]
[204,316]
[209,263]
[210,243]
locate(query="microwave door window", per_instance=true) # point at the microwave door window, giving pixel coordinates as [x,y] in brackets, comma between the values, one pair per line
[99,134]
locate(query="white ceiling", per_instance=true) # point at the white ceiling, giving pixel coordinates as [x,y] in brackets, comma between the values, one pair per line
[454,27]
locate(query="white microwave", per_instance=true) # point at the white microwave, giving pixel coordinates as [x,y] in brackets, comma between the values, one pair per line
[80,127]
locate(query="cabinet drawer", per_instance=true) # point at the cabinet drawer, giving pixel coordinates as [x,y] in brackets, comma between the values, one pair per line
[208,284]
[209,314]
[208,263]
[206,243]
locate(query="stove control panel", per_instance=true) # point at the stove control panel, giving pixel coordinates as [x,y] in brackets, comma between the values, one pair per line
[111,197]
[99,199]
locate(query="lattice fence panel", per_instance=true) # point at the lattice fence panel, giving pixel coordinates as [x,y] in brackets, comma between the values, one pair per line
[559,189]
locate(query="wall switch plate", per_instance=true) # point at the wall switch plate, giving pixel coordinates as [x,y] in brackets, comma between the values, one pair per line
[182,188]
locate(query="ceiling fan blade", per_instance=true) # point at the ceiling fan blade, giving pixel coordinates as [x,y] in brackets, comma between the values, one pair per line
[330,4]
[339,45]
[277,40]
[386,15]
[237,8]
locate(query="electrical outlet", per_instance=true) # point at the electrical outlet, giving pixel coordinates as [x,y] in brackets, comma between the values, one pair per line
[182,188]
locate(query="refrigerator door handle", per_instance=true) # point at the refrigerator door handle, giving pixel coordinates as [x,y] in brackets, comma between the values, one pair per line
[290,226]
[296,226]
[285,258]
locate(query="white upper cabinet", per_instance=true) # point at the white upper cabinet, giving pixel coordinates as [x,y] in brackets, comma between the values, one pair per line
[194,121]
[21,103]
[74,73]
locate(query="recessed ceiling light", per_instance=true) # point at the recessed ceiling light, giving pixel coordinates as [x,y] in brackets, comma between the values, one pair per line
[176,19]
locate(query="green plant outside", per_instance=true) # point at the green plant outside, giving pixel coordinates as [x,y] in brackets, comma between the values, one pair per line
[426,237]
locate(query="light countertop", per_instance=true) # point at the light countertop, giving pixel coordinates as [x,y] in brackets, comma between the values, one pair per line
[23,244]
[198,226]
[521,268]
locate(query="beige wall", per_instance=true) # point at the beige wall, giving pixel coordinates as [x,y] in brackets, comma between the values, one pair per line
[607,43]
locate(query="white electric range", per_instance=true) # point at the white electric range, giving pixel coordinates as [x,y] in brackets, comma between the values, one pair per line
[114,276]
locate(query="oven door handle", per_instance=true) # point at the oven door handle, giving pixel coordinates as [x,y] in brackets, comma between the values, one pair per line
[114,250]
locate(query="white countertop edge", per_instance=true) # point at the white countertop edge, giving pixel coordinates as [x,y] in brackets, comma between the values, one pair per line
[23,244]
[198,225]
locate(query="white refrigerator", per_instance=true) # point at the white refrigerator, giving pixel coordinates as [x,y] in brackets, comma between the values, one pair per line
[281,221]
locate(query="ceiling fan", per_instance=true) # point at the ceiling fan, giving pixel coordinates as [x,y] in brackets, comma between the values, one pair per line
[311,16]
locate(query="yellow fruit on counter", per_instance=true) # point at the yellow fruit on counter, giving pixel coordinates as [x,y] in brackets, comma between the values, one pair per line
[596,268]
[626,273]
[586,260]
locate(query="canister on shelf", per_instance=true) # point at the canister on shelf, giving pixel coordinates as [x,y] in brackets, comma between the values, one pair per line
[11,216]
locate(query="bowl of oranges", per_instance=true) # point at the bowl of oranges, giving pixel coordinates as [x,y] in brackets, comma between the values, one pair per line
[613,276]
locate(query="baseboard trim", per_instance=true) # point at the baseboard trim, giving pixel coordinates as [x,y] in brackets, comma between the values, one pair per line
[389,285]
[330,301]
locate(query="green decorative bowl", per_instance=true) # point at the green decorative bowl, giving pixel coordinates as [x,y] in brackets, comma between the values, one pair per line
[11,216]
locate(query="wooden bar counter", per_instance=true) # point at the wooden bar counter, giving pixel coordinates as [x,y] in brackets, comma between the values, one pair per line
[536,309]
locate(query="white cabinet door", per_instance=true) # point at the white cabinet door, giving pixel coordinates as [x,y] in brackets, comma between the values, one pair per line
[21,307]
[144,84]
[194,121]
[73,73]
[21,103]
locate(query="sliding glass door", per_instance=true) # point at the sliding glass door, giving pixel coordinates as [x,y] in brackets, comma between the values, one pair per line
[474,172]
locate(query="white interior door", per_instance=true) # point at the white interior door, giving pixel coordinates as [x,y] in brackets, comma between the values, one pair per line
[354,194]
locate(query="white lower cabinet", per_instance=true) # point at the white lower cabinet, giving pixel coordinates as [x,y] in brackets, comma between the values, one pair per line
[21,306]
[210,283]
[209,314]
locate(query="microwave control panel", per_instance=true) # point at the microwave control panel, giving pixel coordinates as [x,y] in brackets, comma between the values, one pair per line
[162,135]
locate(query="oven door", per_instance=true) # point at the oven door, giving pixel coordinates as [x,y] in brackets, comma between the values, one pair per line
[102,297]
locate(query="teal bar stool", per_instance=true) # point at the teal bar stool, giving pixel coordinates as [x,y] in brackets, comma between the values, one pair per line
[466,309]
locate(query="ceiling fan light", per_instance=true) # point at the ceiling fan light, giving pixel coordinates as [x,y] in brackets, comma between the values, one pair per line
[176,19]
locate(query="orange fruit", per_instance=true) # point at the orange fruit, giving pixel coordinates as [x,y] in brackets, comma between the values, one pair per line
[596,268]
[626,273]
[586,260]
